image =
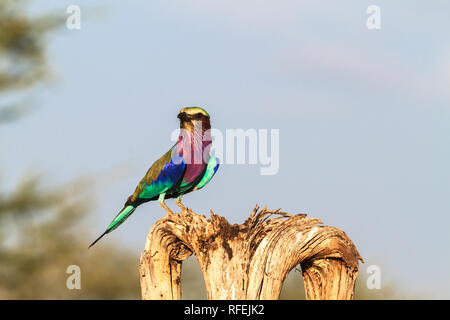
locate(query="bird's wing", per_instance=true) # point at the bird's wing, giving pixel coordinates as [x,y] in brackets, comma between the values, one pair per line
[211,169]
[166,172]
[162,176]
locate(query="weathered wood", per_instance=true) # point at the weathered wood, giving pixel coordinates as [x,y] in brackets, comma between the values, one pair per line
[251,260]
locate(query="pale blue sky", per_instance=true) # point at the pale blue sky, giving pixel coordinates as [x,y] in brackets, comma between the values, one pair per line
[364,116]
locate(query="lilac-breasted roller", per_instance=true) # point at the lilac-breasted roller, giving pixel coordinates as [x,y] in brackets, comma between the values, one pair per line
[186,167]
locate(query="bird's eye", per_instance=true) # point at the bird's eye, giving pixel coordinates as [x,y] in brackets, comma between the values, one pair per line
[197,116]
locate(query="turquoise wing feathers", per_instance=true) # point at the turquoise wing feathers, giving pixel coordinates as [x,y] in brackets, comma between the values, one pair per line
[160,181]
[163,175]
[151,186]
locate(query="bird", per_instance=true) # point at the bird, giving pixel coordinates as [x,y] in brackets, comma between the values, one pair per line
[186,167]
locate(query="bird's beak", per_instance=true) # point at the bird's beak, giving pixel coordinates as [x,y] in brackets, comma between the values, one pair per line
[183,116]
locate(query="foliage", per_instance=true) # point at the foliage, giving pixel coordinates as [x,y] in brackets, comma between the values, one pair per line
[22,56]
[43,231]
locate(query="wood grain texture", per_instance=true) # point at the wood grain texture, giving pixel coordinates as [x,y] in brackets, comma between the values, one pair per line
[251,260]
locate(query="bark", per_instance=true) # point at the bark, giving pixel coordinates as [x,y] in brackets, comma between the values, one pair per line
[251,260]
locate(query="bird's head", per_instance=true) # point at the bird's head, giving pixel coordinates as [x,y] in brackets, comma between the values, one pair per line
[192,117]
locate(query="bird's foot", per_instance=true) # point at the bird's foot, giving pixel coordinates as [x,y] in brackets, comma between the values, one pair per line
[178,203]
[162,203]
[164,206]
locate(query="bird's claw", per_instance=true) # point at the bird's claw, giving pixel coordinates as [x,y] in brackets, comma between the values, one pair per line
[178,203]
[162,203]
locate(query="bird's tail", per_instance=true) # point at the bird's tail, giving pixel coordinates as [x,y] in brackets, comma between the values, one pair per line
[118,220]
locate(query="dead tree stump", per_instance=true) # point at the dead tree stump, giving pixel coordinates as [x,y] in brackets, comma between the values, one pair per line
[251,260]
